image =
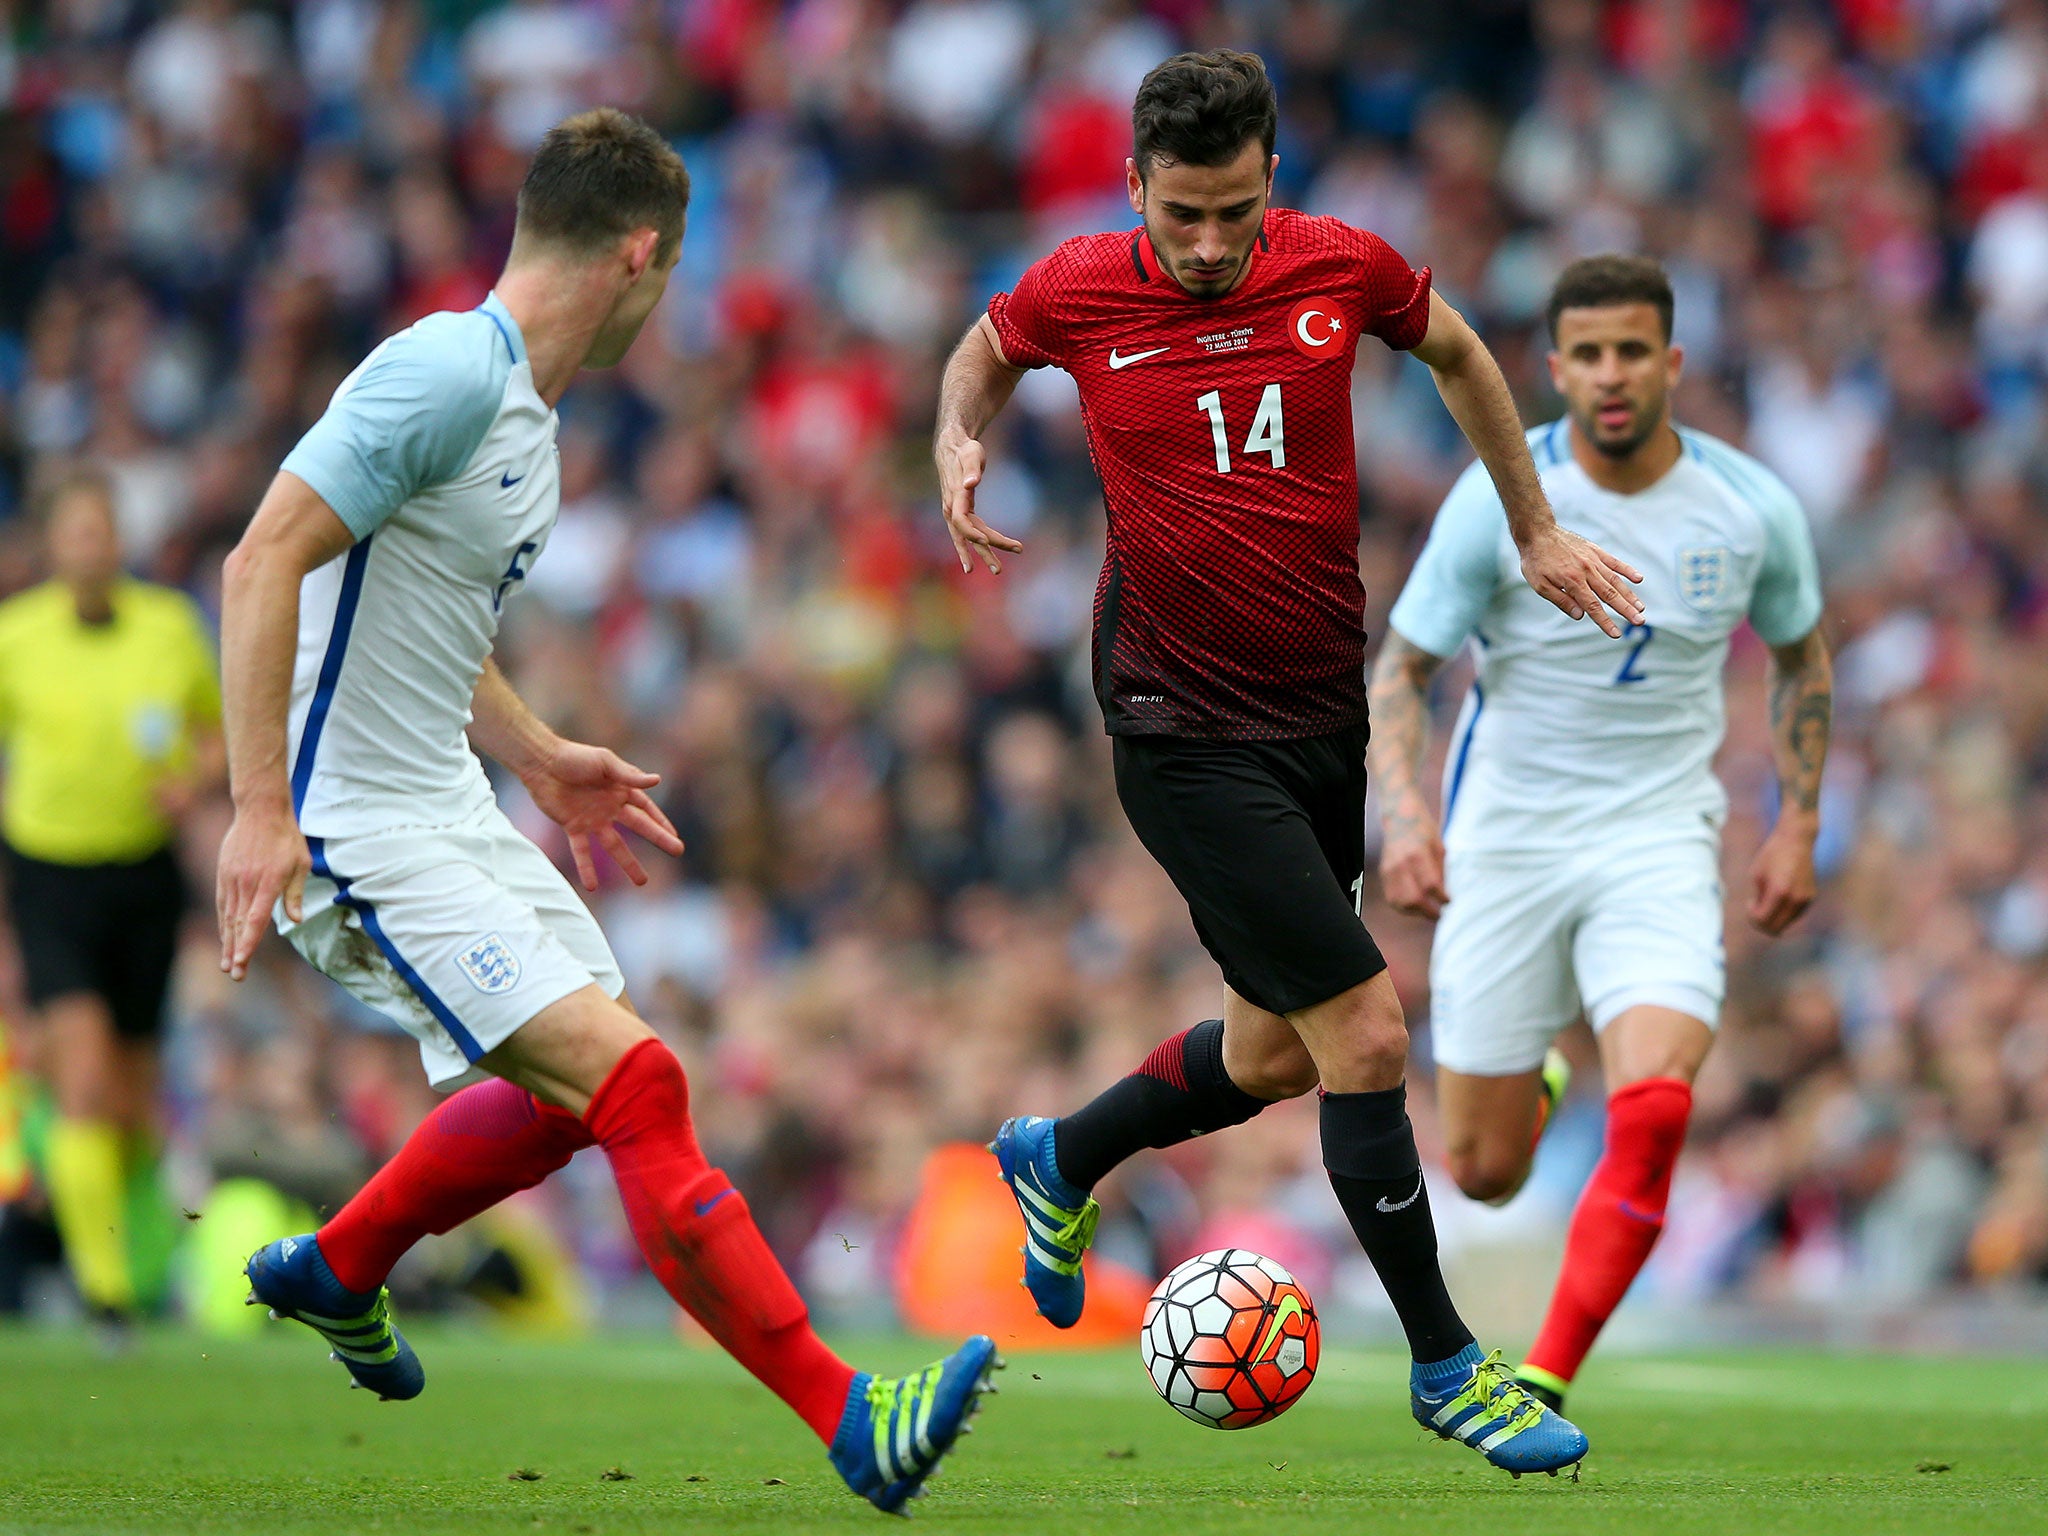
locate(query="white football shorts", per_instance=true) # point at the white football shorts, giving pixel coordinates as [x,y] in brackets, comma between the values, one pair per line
[1530,941]
[460,934]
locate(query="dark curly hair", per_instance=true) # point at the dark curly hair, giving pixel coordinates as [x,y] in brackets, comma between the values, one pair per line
[1202,108]
[1600,282]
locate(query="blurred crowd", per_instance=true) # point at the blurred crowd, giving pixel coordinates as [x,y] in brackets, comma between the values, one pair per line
[910,904]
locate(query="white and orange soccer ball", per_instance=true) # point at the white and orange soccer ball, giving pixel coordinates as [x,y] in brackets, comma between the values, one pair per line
[1230,1339]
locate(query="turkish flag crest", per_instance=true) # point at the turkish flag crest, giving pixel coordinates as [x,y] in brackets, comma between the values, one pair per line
[1316,327]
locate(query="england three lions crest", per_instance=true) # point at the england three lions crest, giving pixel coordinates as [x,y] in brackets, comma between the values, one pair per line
[490,965]
[1703,576]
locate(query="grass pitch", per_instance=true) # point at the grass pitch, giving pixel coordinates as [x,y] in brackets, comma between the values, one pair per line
[261,1437]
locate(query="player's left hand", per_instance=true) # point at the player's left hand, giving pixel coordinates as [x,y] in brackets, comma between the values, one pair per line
[1580,577]
[961,466]
[591,793]
[1782,883]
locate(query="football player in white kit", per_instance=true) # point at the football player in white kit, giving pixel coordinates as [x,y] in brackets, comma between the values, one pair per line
[1576,865]
[359,613]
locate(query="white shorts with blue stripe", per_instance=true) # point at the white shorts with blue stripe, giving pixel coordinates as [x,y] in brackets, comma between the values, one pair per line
[460,934]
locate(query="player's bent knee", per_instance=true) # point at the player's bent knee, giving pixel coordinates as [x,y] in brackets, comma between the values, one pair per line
[1381,1048]
[1485,1175]
[1364,1060]
[1303,1079]
[565,1052]
[1276,1080]
[1359,1038]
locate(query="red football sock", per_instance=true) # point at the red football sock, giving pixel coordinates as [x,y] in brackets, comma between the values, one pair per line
[701,1242]
[1617,1222]
[489,1141]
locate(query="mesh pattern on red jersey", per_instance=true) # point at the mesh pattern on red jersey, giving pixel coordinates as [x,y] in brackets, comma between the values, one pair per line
[1229,605]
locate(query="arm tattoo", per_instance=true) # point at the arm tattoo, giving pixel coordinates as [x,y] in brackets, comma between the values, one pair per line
[1400,735]
[1802,711]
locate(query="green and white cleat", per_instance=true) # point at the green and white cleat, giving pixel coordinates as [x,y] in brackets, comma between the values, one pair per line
[895,1431]
[291,1277]
[1471,1398]
[1557,1079]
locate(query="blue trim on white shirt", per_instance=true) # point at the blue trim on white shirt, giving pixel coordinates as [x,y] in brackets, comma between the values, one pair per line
[494,309]
[464,1040]
[1464,751]
[330,670]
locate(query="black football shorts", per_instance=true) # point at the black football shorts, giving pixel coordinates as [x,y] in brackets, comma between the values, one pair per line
[109,929]
[1266,840]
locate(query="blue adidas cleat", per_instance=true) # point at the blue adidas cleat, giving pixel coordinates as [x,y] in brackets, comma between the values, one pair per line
[1475,1400]
[896,1430]
[291,1277]
[1059,1220]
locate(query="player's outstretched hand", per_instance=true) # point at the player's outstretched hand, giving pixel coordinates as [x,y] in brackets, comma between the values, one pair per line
[262,858]
[1582,578]
[1782,883]
[591,793]
[960,470]
[1412,873]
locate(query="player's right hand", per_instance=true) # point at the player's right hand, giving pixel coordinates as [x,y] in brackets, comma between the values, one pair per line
[590,792]
[262,858]
[1579,577]
[1412,874]
[961,465]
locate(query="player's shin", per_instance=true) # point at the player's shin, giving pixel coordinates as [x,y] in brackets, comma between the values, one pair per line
[700,1240]
[1617,1222]
[1178,1092]
[1369,1152]
[478,1147]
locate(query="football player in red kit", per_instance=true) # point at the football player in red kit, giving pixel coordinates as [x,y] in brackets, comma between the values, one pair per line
[1213,348]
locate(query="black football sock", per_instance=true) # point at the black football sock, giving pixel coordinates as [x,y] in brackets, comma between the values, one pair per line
[1369,1151]
[1178,1092]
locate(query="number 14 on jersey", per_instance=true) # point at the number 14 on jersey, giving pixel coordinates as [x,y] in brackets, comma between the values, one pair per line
[1268,434]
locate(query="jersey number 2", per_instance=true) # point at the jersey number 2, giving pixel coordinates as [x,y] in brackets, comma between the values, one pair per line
[1268,434]
[512,573]
[1642,634]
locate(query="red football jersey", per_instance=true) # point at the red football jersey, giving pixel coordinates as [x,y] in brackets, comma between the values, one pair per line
[1229,605]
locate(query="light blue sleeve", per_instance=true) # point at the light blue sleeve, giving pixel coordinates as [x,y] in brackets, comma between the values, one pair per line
[409,417]
[1786,603]
[1459,570]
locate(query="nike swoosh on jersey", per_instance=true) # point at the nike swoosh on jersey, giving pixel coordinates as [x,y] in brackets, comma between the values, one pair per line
[1385,1208]
[1116,362]
[508,480]
[704,1206]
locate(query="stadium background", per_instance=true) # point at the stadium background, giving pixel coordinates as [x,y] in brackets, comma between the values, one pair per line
[910,904]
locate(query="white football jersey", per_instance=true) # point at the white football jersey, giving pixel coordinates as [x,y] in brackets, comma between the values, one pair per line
[1567,736]
[439,455]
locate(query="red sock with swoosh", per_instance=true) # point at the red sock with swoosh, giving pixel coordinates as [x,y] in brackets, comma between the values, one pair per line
[1617,1223]
[478,1146]
[700,1240]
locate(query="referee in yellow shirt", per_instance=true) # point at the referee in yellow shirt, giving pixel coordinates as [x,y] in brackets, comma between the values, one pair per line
[110,724]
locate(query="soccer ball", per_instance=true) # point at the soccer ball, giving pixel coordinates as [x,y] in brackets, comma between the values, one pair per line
[1230,1339]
